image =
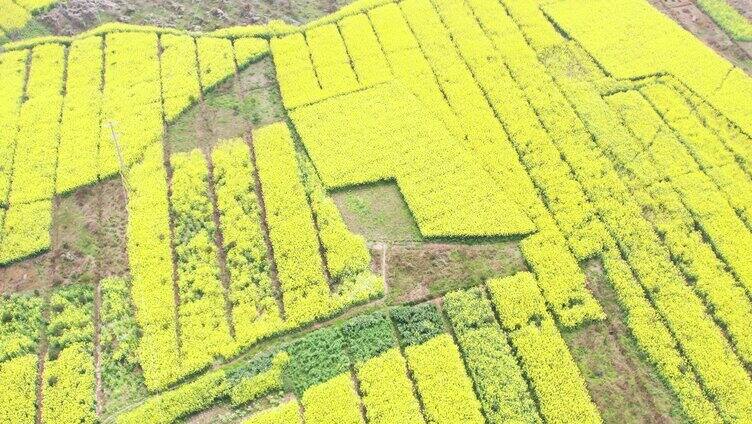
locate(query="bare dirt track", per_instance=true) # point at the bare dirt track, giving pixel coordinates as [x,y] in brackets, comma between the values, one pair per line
[76,15]
[694,20]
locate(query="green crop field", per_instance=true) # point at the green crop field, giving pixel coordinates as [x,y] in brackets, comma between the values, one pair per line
[415,211]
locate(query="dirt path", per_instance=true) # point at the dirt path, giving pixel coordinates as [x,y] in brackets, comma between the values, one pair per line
[694,20]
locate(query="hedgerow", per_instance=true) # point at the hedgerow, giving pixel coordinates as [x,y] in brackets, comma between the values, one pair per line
[502,389]
[386,389]
[333,401]
[417,324]
[442,383]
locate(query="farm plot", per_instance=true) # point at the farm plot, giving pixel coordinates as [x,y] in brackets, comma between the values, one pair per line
[531,125]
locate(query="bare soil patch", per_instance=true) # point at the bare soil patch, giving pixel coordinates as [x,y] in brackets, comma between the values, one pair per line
[694,20]
[74,16]
[421,271]
[88,242]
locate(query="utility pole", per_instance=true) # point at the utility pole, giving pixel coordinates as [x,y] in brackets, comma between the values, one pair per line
[121,162]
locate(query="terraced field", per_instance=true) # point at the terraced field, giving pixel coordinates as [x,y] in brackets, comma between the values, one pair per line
[424,211]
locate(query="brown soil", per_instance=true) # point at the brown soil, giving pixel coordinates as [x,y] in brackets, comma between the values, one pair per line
[88,241]
[420,271]
[31,275]
[743,6]
[694,20]
[74,16]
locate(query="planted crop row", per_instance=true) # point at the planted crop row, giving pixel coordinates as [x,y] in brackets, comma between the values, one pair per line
[204,328]
[20,325]
[288,412]
[535,138]
[386,389]
[545,358]
[119,337]
[14,16]
[202,310]
[79,129]
[132,103]
[150,259]
[447,191]
[657,340]
[697,334]
[255,310]
[333,401]
[676,224]
[68,380]
[216,60]
[650,48]
[39,127]
[305,291]
[180,85]
[502,389]
[13,70]
[729,19]
[571,300]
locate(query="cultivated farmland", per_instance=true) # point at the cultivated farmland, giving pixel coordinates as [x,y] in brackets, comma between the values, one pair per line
[415,211]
